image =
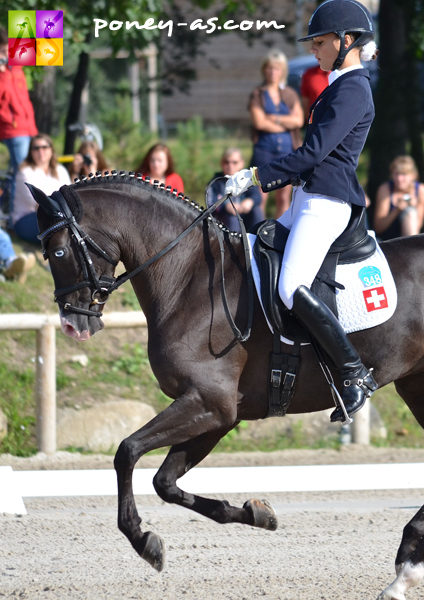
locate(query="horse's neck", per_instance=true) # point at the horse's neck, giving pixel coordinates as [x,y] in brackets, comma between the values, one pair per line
[151,225]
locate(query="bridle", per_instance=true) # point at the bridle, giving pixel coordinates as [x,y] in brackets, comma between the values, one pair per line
[99,285]
[105,285]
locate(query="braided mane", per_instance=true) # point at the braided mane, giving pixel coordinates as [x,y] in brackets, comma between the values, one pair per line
[136,179]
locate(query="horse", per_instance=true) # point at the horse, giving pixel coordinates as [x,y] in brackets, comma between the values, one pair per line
[215,380]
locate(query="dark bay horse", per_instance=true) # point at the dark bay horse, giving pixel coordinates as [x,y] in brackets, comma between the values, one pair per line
[215,381]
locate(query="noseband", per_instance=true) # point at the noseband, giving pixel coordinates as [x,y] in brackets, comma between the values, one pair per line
[105,285]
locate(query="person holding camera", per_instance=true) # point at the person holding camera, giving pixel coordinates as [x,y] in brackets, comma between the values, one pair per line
[88,159]
[41,169]
[399,208]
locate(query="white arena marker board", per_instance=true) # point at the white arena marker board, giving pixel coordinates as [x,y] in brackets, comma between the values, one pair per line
[224,480]
[10,499]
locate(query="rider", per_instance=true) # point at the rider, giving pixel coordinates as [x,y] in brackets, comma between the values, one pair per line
[323,173]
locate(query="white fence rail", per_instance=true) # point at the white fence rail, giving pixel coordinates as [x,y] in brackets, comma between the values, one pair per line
[45,326]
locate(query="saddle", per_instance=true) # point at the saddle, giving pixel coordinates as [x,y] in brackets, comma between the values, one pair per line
[353,245]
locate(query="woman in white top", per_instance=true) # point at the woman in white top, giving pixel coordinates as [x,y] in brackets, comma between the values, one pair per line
[42,170]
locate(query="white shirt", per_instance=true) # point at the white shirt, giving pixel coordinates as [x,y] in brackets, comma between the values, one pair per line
[336,74]
[24,203]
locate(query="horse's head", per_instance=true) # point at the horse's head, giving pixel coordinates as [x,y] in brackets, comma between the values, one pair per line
[82,267]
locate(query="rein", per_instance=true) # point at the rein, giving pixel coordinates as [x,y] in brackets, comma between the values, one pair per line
[106,285]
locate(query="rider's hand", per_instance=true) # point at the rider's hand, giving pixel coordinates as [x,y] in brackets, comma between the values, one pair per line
[240,182]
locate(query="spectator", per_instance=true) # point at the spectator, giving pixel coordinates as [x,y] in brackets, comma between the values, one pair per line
[314,81]
[13,266]
[158,164]
[399,207]
[248,204]
[277,116]
[17,123]
[41,169]
[88,159]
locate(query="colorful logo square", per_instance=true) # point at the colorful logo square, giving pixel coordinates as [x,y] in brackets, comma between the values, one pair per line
[49,24]
[21,24]
[22,52]
[35,37]
[50,52]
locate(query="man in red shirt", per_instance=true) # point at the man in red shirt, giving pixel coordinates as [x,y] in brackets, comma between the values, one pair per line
[17,123]
[314,81]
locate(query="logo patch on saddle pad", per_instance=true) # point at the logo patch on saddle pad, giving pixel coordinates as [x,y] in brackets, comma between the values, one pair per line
[375,299]
[370,276]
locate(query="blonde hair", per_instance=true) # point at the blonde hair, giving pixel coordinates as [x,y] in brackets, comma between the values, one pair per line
[404,164]
[276,56]
[229,152]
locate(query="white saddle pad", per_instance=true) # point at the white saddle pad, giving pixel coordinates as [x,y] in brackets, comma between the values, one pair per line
[370,297]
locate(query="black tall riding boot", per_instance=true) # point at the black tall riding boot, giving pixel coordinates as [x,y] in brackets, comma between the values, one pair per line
[357,381]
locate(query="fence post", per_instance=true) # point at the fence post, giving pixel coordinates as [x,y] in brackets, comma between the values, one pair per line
[361,425]
[46,389]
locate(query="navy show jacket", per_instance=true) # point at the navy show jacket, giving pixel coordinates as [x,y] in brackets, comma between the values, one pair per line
[338,125]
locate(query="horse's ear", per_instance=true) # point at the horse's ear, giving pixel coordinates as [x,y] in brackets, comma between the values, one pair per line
[51,207]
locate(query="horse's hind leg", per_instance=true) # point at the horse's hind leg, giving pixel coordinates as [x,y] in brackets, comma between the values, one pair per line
[185,456]
[187,417]
[409,562]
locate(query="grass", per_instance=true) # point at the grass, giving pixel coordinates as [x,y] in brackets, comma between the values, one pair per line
[402,428]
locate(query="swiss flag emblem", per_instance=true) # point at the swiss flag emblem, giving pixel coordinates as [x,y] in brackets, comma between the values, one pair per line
[375,299]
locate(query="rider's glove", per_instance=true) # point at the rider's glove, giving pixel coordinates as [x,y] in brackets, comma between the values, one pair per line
[241,181]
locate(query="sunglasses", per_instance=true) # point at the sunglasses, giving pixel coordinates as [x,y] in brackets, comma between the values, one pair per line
[40,147]
[231,162]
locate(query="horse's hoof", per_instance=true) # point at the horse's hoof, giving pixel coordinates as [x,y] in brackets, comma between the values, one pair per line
[154,550]
[262,513]
[387,594]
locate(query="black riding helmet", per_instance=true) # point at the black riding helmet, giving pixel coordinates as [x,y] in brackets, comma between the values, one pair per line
[341,17]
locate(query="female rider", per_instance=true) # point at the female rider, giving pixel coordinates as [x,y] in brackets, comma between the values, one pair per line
[323,172]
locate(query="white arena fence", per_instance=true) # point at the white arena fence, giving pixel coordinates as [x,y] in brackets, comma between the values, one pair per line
[45,326]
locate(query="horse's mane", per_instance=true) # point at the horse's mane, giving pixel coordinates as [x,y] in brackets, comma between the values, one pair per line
[157,190]
[70,193]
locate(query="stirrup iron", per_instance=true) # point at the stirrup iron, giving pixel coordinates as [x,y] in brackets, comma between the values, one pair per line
[329,378]
[339,402]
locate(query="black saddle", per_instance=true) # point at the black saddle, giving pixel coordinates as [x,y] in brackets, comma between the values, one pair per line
[353,245]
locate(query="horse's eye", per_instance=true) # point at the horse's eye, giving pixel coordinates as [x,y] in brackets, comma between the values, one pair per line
[59,253]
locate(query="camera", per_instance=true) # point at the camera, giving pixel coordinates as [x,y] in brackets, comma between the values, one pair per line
[406,198]
[87,160]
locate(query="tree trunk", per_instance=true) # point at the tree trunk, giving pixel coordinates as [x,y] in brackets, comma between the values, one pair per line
[389,133]
[80,81]
[42,98]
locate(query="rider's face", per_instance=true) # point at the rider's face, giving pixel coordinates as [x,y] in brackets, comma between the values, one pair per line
[326,48]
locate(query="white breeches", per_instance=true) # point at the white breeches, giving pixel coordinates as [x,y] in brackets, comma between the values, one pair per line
[315,222]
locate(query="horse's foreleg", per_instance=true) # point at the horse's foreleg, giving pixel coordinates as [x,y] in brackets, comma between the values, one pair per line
[184,457]
[409,574]
[186,418]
